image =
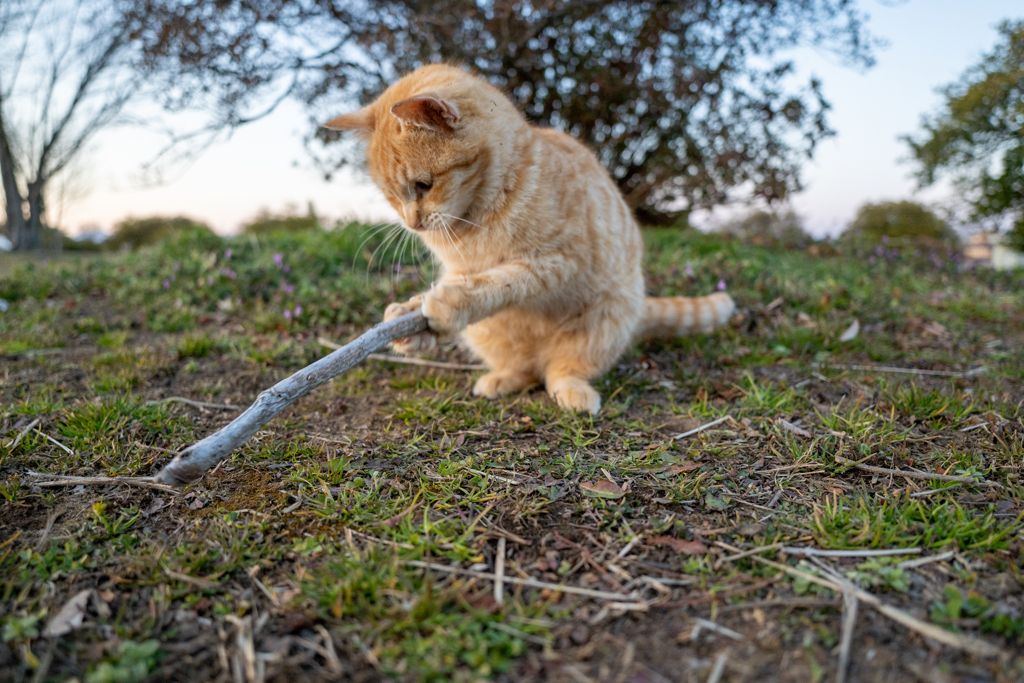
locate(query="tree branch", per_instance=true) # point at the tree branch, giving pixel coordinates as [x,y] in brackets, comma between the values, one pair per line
[195,460]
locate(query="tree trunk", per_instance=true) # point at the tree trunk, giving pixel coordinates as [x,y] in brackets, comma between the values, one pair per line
[34,229]
[12,195]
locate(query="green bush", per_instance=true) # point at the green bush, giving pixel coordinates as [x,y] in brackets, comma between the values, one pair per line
[769,229]
[132,233]
[266,222]
[900,224]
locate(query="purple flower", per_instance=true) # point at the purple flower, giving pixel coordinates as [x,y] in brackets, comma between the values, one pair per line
[288,289]
[721,285]
[287,314]
[227,254]
[278,260]
[885,239]
[232,274]
[209,280]
[286,268]
[689,271]
[298,310]
[871,260]
[167,283]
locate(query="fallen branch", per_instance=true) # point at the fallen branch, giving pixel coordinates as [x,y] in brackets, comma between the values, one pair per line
[23,432]
[910,473]
[61,480]
[702,427]
[958,640]
[531,583]
[388,358]
[906,371]
[195,460]
[815,552]
[190,402]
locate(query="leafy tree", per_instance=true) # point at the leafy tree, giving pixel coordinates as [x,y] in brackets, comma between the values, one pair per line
[68,73]
[687,102]
[768,228]
[267,222]
[132,233]
[977,136]
[900,223]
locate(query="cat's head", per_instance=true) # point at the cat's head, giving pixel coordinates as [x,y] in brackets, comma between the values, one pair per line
[438,143]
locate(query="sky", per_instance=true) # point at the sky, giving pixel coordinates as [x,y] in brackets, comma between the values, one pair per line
[263,165]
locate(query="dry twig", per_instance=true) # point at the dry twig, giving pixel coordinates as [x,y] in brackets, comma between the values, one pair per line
[960,641]
[911,473]
[388,358]
[702,427]
[61,480]
[194,404]
[631,601]
[195,460]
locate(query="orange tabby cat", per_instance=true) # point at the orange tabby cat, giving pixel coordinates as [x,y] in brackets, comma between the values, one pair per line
[540,252]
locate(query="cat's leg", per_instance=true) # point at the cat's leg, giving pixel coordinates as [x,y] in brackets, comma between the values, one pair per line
[419,343]
[503,382]
[507,344]
[577,355]
[567,382]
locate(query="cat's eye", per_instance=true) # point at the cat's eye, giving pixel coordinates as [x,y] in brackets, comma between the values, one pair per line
[423,188]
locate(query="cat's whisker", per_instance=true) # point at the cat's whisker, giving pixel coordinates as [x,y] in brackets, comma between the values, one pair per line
[387,240]
[476,225]
[450,235]
[374,231]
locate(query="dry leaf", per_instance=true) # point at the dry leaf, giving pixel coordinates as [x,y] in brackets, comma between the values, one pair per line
[679,545]
[851,331]
[602,488]
[70,616]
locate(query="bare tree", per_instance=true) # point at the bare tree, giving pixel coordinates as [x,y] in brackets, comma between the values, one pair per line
[71,70]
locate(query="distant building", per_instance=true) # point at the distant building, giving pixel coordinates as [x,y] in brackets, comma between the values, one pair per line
[990,249]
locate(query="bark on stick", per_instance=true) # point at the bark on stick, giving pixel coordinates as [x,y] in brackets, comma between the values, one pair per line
[195,460]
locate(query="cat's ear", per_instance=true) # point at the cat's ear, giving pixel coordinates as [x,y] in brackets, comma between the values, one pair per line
[427,111]
[361,120]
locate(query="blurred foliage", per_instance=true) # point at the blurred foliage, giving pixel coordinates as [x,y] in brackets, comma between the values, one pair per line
[686,104]
[267,222]
[769,229]
[901,223]
[977,136]
[132,233]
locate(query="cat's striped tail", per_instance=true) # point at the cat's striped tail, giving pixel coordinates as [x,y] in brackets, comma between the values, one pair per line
[667,317]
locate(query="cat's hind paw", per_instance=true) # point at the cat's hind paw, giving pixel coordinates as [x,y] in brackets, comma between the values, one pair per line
[495,384]
[576,394]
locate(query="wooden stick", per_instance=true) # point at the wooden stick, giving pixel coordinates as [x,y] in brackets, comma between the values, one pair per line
[388,358]
[909,473]
[190,402]
[964,642]
[61,480]
[906,371]
[815,552]
[529,583]
[702,427]
[195,460]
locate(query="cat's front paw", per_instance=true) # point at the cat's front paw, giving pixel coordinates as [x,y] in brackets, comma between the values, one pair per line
[414,345]
[446,307]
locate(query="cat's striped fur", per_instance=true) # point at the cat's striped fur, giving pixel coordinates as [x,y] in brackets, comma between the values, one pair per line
[540,252]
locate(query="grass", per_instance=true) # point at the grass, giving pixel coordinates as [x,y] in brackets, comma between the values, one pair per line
[299,546]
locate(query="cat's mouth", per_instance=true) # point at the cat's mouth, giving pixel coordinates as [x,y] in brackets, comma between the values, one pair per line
[419,226]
